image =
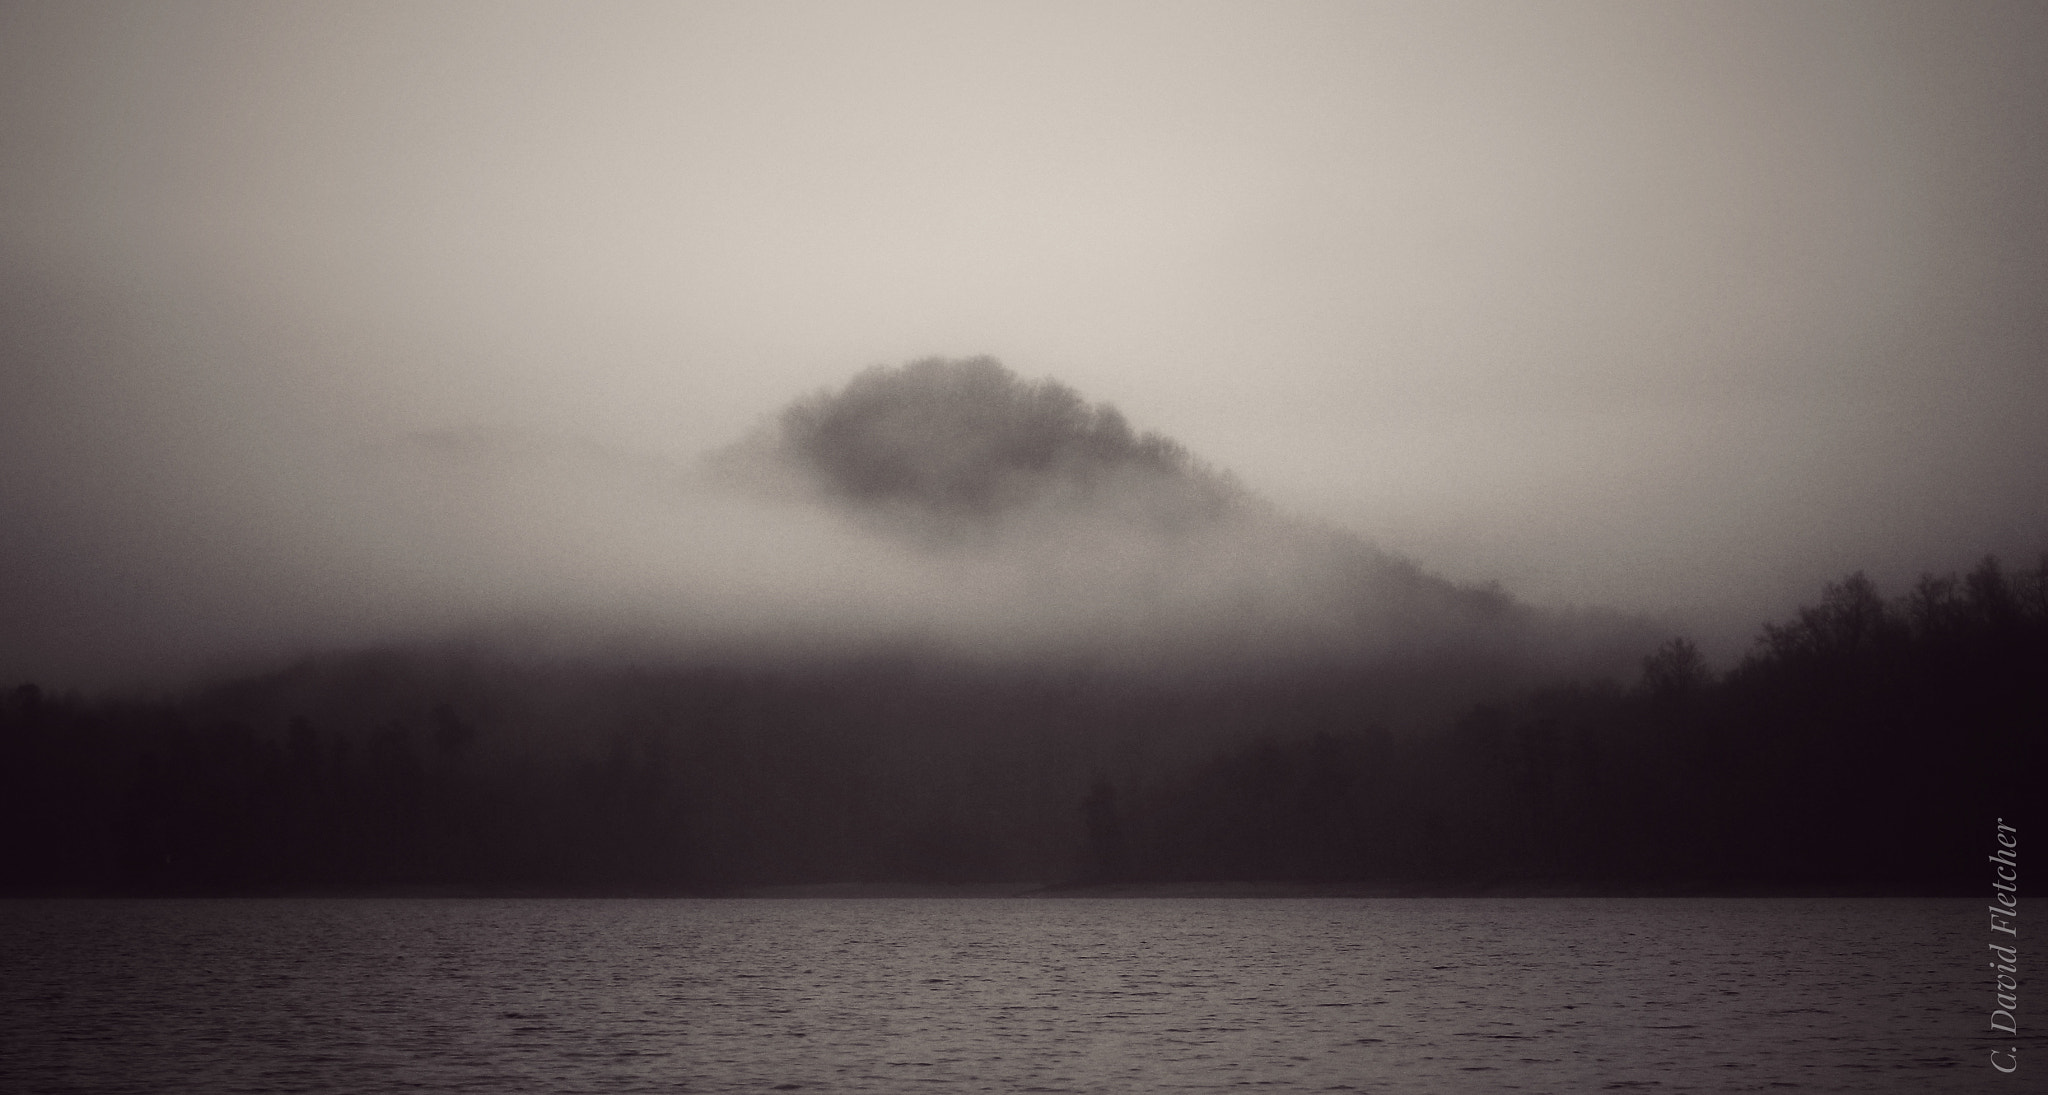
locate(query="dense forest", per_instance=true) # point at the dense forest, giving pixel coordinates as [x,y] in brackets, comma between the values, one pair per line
[1865,743]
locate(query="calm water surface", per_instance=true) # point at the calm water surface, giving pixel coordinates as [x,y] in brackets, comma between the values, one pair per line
[1011,995]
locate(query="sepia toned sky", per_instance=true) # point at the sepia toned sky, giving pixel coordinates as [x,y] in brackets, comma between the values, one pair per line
[1675,308]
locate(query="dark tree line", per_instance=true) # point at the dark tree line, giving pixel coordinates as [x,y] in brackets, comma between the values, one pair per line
[1863,743]
[148,799]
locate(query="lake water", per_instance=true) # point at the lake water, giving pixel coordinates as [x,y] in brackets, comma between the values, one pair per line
[1000,995]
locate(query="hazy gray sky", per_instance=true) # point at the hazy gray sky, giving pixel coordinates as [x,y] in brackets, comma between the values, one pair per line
[1671,307]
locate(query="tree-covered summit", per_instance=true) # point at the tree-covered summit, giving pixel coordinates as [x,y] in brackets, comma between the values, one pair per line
[970,439]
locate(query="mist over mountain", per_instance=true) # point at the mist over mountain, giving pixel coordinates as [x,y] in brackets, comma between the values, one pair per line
[951,505]
[1100,538]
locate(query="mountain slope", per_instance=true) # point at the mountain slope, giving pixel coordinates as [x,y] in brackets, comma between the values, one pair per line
[1109,537]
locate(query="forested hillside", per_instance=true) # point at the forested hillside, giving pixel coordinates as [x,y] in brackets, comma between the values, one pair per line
[1057,650]
[1860,744]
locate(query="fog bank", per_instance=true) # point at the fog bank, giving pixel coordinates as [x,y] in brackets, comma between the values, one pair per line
[1678,309]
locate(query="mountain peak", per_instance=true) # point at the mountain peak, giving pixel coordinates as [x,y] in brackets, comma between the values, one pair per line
[968,439]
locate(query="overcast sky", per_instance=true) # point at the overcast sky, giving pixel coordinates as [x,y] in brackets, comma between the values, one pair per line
[1678,308]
